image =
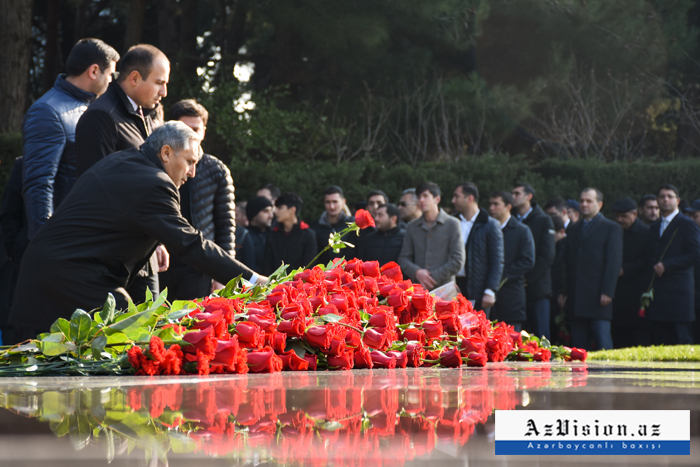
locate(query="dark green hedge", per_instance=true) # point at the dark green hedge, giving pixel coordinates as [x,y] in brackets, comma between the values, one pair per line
[550,178]
[10,149]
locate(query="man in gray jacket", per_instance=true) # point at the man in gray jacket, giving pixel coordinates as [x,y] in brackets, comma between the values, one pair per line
[433,249]
[479,278]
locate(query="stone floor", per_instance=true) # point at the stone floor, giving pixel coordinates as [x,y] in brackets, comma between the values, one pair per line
[414,417]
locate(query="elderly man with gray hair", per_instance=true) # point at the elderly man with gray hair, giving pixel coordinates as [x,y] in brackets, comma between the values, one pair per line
[107,228]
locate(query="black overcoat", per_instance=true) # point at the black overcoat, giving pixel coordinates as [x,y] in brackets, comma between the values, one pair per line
[102,234]
[592,264]
[539,279]
[674,291]
[635,280]
[519,259]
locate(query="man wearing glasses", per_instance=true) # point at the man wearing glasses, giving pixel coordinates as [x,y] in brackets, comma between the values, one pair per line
[408,206]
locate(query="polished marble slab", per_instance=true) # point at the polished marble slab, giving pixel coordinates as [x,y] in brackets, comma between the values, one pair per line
[411,417]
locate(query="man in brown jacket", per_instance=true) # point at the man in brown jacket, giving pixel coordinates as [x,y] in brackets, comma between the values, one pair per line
[107,228]
[433,250]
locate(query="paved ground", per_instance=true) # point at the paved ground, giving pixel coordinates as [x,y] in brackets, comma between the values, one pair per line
[421,417]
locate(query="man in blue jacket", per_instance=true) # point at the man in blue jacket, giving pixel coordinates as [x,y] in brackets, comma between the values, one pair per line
[48,131]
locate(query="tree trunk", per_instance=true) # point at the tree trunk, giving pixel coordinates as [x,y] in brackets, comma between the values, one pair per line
[134,23]
[167,29]
[188,37]
[15,54]
[52,64]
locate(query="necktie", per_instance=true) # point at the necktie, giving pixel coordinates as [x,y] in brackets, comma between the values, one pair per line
[141,111]
[663,226]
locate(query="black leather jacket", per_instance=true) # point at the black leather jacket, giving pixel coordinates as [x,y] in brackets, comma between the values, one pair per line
[484,256]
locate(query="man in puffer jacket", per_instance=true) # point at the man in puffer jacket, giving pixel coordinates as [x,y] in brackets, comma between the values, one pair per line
[207,202]
[48,131]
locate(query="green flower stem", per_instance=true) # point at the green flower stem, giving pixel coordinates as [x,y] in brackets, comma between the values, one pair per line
[341,234]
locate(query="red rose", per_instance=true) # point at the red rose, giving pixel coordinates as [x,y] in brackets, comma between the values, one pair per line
[342,362]
[293,327]
[352,338]
[328,310]
[338,347]
[354,266]
[364,219]
[362,357]
[226,352]
[432,329]
[444,308]
[401,357]
[226,306]
[382,360]
[471,344]
[293,362]
[312,360]
[370,285]
[642,313]
[276,340]
[264,361]
[430,355]
[414,334]
[579,354]
[371,269]
[249,334]
[392,271]
[374,338]
[268,325]
[542,355]
[477,359]
[202,341]
[319,336]
[382,319]
[398,299]
[414,353]
[340,302]
[422,301]
[451,358]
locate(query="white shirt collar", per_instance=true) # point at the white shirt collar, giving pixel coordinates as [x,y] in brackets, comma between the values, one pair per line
[133,104]
[472,220]
[524,216]
[504,224]
[566,224]
[670,217]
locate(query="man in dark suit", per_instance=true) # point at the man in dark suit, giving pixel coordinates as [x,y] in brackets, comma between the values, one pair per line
[592,263]
[538,282]
[674,249]
[518,259]
[632,281]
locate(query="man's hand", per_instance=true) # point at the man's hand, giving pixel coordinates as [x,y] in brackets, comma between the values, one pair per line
[425,278]
[562,301]
[487,301]
[262,280]
[605,300]
[216,286]
[622,272]
[163,258]
[659,269]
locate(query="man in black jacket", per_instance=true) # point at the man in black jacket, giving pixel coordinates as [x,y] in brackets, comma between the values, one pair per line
[208,204]
[122,118]
[673,249]
[259,211]
[518,259]
[592,263]
[334,219]
[632,283]
[48,131]
[104,233]
[291,241]
[483,267]
[384,244]
[538,282]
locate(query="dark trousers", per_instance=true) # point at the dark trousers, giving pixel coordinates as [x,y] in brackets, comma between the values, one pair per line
[185,283]
[538,317]
[137,288]
[584,332]
[664,333]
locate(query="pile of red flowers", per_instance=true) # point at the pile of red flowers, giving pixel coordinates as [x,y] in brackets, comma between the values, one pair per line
[352,315]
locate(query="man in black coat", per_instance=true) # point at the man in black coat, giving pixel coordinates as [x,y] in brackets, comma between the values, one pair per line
[483,266]
[291,241]
[693,211]
[592,263]
[633,280]
[518,260]
[259,211]
[122,118]
[108,227]
[334,219]
[384,244]
[674,249]
[538,282]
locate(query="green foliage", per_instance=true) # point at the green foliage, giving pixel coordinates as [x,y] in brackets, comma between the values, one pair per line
[671,353]
[10,149]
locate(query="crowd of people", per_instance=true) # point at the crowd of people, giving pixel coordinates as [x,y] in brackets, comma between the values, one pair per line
[107,198]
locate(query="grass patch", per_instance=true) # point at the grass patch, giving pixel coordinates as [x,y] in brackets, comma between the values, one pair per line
[661,353]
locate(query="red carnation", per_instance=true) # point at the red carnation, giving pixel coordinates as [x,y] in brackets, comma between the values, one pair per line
[364,219]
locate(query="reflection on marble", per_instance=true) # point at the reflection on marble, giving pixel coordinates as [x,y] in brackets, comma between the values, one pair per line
[385,417]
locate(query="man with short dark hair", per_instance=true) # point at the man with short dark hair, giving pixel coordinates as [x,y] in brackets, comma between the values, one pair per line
[259,212]
[104,232]
[626,324]
[480,276]
[538,282]
[334,219]
[122,118]
[559,331]
[518,259]
[207,202]
[648,209]
[592,263]
[384,244]
[673,250]
[433,249]
[48,131]
[574,210]
[269,191]
[291,241]
[376,198]
[408,206]
[559,207]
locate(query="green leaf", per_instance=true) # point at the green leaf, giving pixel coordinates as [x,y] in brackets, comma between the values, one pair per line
[108,310]
[132,307]
[98,345]
[53,345]
[332,426]
[61,325]
[110,446]
[297,347]
[79,430]
[181,443]
[331,318]
[60,428]
[544,343]
[149,295]
[80,324]
[364,316]
[133,322]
